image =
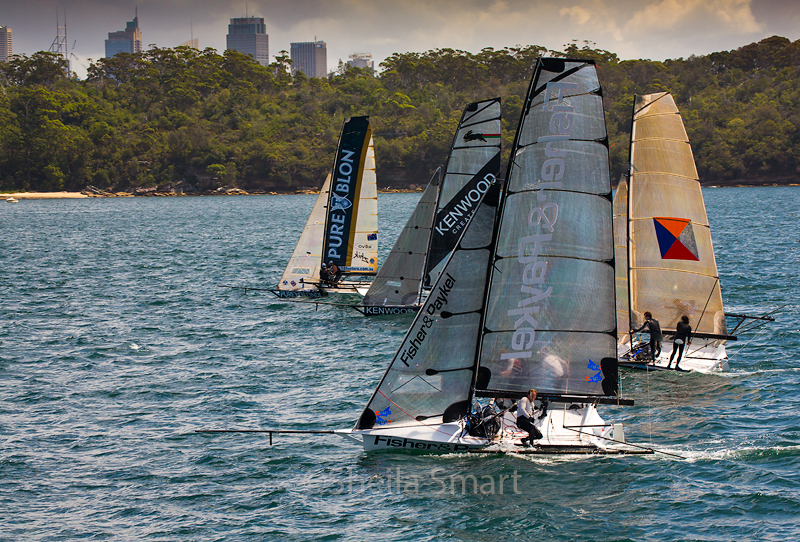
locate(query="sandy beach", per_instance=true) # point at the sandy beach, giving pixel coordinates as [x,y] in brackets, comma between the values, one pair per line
[44,195]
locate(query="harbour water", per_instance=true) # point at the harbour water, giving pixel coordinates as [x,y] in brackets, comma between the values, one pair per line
[119,339]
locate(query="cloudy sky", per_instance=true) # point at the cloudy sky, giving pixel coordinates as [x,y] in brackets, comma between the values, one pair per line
[654,29]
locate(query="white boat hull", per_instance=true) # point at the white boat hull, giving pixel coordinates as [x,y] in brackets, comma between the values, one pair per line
[564,430]
[703,358]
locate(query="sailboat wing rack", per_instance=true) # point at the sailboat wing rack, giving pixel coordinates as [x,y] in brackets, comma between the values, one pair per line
[558,398]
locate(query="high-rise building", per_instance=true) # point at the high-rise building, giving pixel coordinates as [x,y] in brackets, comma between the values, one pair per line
[361,60]
[248,35]
[5,43]
[193,43]
[125,41]
[310,57]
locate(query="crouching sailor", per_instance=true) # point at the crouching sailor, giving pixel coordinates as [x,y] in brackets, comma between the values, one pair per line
[525,418]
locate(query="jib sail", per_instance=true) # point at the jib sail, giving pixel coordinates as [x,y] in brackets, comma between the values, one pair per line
[302,272]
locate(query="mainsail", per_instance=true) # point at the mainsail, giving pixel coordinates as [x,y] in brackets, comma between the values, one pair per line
[621,261]
[398,282]
[351,227]
[474,154]
[302,271]
[673,271]
[526,299]
[550,320]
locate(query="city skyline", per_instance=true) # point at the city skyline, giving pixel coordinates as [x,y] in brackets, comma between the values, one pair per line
[654,29]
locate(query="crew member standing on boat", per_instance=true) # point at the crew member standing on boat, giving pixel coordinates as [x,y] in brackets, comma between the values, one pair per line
[336,273]
[525,418]
[324,277]
[654,329]
[683,336]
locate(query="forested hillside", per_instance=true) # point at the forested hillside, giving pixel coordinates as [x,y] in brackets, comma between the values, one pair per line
[199,120]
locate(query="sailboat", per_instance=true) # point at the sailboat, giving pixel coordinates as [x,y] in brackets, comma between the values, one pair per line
[524,300]
[343,225]
[415,261]
[665,256]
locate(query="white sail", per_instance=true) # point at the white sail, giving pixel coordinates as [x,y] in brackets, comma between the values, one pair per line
[621,261]
[363,255]
[399,279]
[551,314]
[302,271]
[432,371]
[673,271]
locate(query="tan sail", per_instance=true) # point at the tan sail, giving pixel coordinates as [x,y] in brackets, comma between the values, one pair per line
[673,271]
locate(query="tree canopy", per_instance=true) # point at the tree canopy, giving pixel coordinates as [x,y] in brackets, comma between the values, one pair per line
[168,116]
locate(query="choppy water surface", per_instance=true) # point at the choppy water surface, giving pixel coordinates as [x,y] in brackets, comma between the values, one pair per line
[118,341]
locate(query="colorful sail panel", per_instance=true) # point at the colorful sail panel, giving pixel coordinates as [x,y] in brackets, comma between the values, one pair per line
[302,272]
[550,317]
[620,207]
[351,229]
[432,372]
[399,279]
[673,271]
[474,155]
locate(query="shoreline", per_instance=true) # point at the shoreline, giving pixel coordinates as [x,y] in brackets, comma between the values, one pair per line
[239,192]
[45,195]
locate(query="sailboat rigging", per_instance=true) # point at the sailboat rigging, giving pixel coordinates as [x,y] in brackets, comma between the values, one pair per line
[415,261]
[342,228]
[524,300]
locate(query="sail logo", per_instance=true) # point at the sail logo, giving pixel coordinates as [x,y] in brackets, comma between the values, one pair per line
[458,216]
[594,367]
[433,304]
[382,416]
[478,136]
[676,239]
[543,217]
[339,203]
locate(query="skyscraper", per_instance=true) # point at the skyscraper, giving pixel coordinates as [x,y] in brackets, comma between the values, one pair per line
[248,35]
[5,43]
[310,57]
[125,41]
[361,60]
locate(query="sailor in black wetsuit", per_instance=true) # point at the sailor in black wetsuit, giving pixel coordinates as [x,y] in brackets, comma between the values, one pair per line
[683,336]
[654,329]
